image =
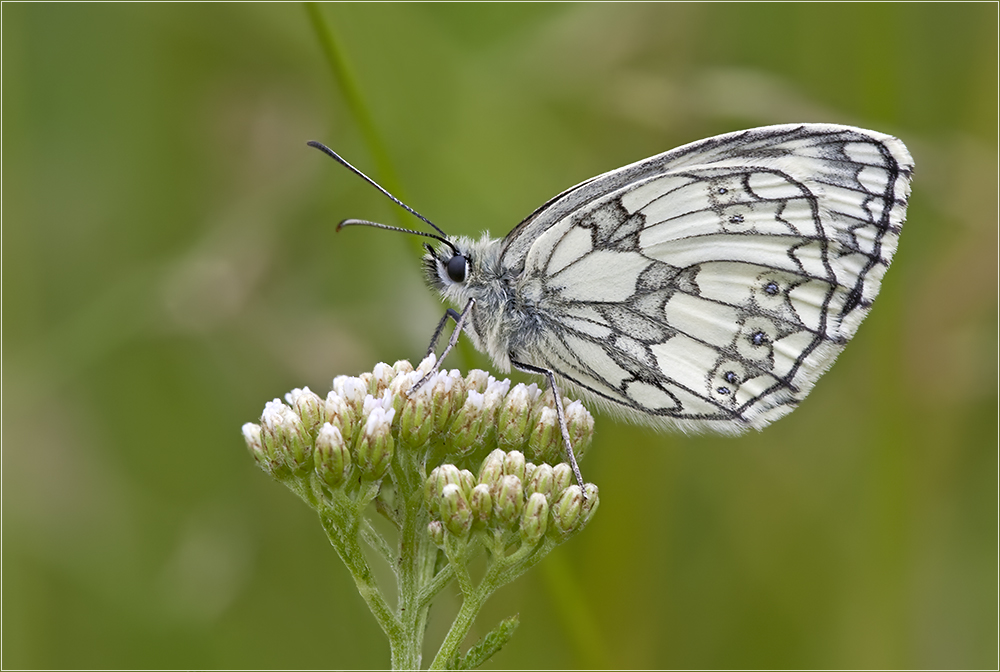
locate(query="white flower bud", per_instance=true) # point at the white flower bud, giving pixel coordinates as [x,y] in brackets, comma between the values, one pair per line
[510,500]
[382,375]
[332,458]
[540,482]
[562,476]
[416,421]
[283,435]
[580,424]
[477,379]
[491,471]
[513,418]
[442,388]
[401,367]
[534,519]
[513,464]
[255,444]
[307,404]
[426,364]
[546,444]
[566,510]
[339,413]
[455,511]
[467,426]
[436,531]
[481,503]
[352,389]
[374,453]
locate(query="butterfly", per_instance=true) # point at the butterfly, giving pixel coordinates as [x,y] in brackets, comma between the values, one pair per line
[704,289]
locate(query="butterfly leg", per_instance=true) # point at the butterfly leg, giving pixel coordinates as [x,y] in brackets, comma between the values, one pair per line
[453,314]
[459,324]
[560,414]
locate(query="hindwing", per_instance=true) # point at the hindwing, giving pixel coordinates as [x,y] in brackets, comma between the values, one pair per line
[707,288]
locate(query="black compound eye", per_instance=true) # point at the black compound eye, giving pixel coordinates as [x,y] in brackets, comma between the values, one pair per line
[456,268]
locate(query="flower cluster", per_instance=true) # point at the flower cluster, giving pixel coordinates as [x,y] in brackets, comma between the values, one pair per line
[354,433]
[509,495]
[497,483]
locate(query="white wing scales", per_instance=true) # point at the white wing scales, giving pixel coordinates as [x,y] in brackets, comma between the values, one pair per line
[708,288]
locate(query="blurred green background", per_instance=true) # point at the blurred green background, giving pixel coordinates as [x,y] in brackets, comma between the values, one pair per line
[170,264]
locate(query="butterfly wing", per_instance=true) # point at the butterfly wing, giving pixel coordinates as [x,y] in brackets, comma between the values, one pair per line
[707,288]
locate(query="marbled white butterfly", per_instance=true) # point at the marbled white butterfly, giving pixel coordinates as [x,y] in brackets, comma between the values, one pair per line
[703,289]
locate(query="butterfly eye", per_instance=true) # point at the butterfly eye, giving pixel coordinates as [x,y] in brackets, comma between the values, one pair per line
[456,268]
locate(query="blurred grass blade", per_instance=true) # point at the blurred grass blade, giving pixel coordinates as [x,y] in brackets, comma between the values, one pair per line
[345,80]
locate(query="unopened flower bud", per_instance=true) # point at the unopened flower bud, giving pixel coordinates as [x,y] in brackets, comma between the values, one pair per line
[491,471]
[545,443]
[448,473]
[529,470]
[493,398]
[382,375]
[590,504]
[467,480]
[467,425]
[562,476]
[366,380]
[425,366]
[443,390]
[481,504]
[580,424]
[399,386]
[332,458]
[436,531]
[255,444]
[309,406]
[274,432]
[477,380]
[374,453]
[510,500]
[352,389]
[338,412]
[566,510]
[455,512]
[534,519]
[431,491]
[284,436]
[438,478]
[513,420]
[513,464]
[416,420]
[372,402]
[403,366]
[541,481]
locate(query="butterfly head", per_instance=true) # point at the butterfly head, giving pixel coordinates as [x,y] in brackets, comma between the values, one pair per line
[446,266]
[461,268]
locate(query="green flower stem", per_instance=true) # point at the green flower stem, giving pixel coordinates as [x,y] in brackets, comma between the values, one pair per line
[502,570]
[342,531]
[471,604]
[436,585]
[414,547]
[371,537]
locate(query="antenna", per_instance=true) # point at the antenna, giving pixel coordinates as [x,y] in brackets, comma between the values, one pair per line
[365,222]
[338,158]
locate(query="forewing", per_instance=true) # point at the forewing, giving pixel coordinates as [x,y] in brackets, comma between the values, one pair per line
[708,288]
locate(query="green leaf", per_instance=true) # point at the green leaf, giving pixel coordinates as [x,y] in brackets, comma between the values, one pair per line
[487,646]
